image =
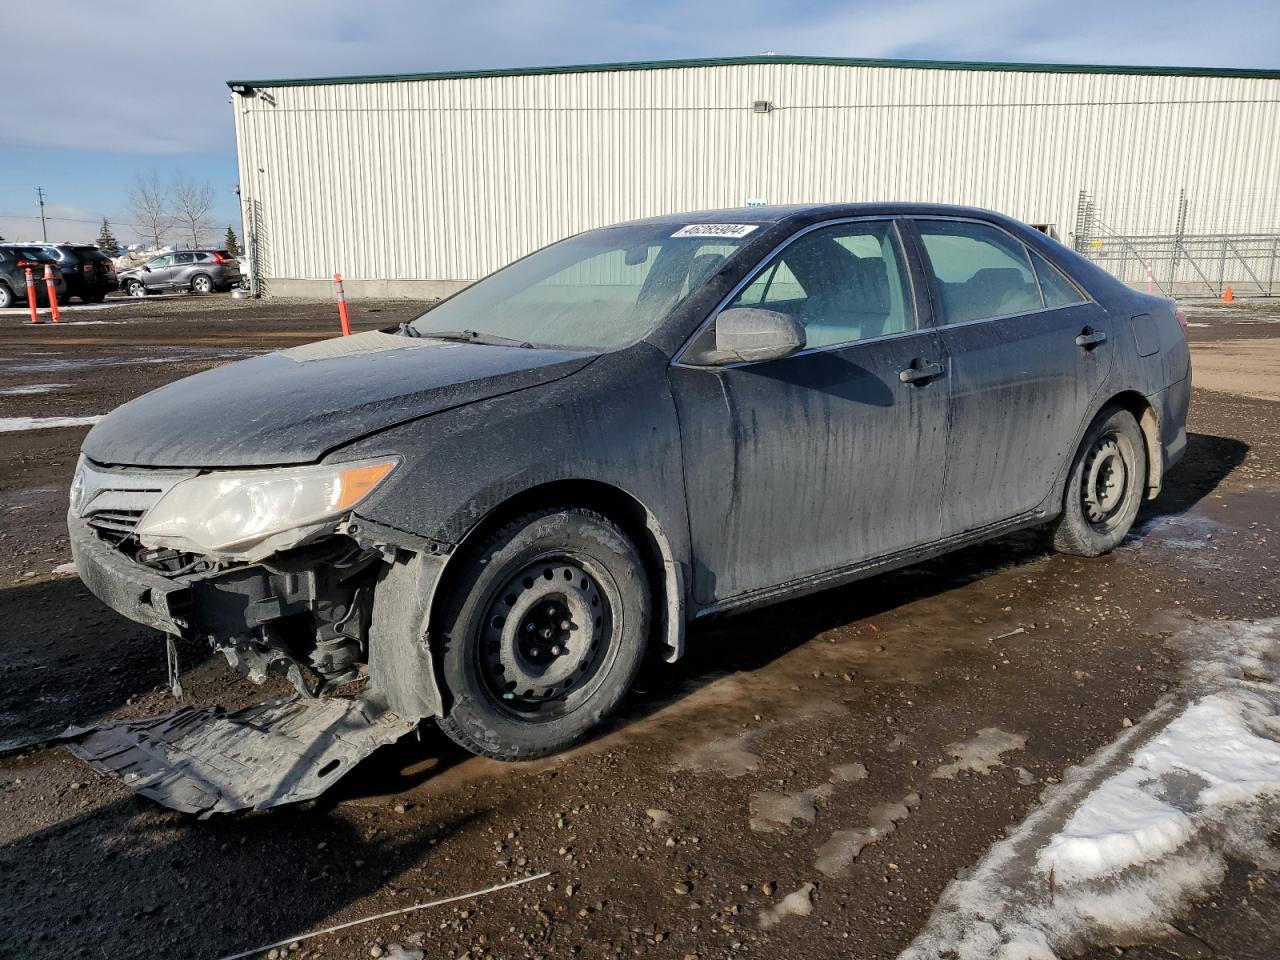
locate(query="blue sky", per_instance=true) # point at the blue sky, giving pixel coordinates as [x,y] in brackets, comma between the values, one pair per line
[126,89]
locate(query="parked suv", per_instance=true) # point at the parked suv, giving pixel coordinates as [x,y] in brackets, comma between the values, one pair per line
[200,271]
[14,260]
[88,272]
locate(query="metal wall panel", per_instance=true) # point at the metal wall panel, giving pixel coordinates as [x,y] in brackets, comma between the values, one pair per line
[446,180]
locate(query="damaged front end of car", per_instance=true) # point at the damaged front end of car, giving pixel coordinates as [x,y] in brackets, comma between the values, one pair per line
[273,569]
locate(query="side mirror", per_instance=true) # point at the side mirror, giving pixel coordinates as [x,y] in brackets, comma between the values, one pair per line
[145,268]
[750,333]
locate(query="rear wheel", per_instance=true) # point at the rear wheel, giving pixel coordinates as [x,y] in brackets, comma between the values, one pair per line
[7,299]
[544,634]
[202,283]
[1104,490]
[134,288]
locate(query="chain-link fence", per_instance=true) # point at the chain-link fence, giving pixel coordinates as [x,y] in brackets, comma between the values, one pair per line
[1198,253]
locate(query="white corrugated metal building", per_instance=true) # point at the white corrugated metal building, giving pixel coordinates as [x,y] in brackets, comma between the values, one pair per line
[416,184]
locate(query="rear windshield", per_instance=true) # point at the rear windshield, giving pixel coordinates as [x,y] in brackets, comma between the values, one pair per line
[35,253]
[599,290]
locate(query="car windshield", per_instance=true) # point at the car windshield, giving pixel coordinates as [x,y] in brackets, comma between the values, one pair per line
[596,291]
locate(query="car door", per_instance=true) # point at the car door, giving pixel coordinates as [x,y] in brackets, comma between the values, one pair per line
[159,273]
[799,466]
[1028,352]
[184,268]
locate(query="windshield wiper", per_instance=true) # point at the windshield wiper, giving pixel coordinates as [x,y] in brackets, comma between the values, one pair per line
[473,336]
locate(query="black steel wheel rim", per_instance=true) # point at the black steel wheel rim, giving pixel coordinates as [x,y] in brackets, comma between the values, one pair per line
[1105,481]
[548,636]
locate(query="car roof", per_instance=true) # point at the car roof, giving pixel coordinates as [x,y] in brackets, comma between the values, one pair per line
[779,213]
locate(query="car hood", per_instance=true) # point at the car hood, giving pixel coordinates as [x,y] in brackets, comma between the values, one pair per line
[296,405]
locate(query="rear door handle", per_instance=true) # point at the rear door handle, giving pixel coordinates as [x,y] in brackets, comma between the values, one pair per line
[1090,338]
[921,371]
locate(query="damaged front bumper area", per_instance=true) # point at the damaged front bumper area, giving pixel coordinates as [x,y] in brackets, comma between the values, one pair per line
[342,618]
[348,607]
[303,614]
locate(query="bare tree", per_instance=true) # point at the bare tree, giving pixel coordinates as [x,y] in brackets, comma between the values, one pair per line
[192,201]
[149,208]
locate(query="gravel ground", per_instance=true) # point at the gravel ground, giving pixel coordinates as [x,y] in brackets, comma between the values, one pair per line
[695,825]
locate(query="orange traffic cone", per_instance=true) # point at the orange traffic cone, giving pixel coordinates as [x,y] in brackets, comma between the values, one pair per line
[1227,295]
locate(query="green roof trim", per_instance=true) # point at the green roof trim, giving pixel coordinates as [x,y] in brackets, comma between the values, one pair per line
[1241,73]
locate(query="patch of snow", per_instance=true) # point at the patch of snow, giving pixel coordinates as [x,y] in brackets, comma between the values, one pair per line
[29,389]
[848,773]
[837,855]
[1132,836]
[798,903]
[728,756]
[16,424]
[772,812]
[660,818]
[65,570]
[981,753]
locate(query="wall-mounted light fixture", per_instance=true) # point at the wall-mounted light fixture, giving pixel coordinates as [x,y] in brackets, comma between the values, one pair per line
[762,106]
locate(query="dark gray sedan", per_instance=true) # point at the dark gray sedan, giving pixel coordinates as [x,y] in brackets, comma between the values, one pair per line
[490,515]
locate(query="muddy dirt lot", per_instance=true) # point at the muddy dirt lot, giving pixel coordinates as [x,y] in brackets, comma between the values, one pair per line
[932,705]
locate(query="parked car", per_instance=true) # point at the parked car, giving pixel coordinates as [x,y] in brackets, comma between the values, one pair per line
[88,272]
[200,271]
[14,261]
[494,512]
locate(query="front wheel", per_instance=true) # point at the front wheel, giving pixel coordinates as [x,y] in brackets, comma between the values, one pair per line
[134,288]
[1105,488]
[544,634]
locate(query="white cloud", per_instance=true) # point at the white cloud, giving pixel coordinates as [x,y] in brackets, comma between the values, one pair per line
[169,63]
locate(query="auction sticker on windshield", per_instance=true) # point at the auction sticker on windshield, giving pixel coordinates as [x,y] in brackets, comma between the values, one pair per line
[715,230]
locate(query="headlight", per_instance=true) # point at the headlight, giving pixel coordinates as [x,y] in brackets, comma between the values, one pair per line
[77,486]
[248,514]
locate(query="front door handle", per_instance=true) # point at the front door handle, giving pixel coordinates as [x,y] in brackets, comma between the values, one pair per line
[921,371]
[1090,338]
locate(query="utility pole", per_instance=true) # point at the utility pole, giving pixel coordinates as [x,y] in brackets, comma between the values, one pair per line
[44,229]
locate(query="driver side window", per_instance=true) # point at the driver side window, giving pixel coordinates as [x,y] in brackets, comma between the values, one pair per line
[843,283]
[161,261]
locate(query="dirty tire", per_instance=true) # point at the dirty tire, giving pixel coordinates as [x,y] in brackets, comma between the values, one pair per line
[134,288]
[1106,485]
[201,283]
[543,635]
[7,299]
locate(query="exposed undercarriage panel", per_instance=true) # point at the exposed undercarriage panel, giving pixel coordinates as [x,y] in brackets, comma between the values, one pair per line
[206,761]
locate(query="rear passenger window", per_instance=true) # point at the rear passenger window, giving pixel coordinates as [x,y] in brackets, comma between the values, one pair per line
[981,272]
[1058,291]
[843,283]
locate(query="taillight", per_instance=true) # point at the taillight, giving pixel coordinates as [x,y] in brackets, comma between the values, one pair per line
[219,258]
[1182,320]
[22,264]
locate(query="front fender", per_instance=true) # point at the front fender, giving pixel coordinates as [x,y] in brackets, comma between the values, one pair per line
[613,424]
